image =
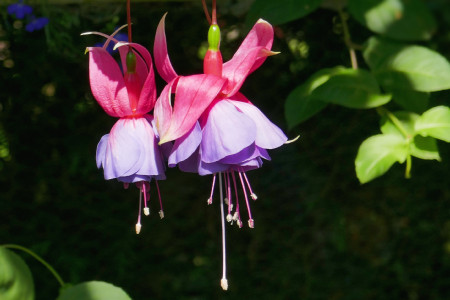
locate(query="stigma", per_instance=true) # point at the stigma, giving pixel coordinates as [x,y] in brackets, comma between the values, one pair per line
[144,198]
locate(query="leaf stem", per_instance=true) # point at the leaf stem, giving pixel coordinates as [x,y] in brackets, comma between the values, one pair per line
[347,39]
[38,258]
[408,167]
[394,120]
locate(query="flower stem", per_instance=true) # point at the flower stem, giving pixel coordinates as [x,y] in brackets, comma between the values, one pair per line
[213,13]
[38,258]
[129,19]
[347,40]
[205,8]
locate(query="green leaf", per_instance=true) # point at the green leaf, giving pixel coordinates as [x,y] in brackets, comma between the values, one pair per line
[405,20]
[435,122]
[281,11]
[419,146]
[425,148]
[407,121]
[399,66]
[16,281]
[93,290]
[300,106]
[411,100]
[377,154]
[351,88]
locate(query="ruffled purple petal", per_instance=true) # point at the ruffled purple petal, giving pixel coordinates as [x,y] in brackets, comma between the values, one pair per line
[227,131]
[130,152]
[186,145]
[211,168]
[193,164]
[268,135]
[251,164]
[246,154]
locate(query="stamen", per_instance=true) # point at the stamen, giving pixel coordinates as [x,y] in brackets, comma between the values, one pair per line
[230,202]
[223,281]
[108,37]
[237,215]
[161,212]
[212,190]
[146,209]
[253,195]
[105,45]
[126,185]
[250,219]
[138,224]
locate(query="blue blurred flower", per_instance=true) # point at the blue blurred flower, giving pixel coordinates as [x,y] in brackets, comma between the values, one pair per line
[121,37]
[36,24]
[19,9]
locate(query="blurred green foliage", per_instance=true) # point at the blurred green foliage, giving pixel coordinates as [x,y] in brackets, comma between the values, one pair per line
[318,233]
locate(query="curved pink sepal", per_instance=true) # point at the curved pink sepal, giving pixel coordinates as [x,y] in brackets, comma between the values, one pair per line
[193,96]
[247,59]
[163,109]
[162,61]
[107,83]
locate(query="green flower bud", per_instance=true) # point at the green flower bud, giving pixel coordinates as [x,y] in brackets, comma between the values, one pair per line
[214,37]
[131,62]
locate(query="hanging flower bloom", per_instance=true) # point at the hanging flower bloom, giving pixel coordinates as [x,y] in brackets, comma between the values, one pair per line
[215,127]
[130,152]
[19,10]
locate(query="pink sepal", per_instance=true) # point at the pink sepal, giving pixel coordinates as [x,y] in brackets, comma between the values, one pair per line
[107,83]
[237,70]
[247,59]
[193,96]
[162,60]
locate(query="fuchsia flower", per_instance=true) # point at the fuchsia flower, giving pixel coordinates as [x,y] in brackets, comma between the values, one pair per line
[214,126]
[130,152]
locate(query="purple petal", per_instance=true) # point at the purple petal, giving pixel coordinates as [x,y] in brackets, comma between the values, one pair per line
[248,153]
[249,165]
[36,24]
[211,168]
[131,152]
[19,10]
[101,151]
[194,165]
[186,145]
[268,135]
[227,131]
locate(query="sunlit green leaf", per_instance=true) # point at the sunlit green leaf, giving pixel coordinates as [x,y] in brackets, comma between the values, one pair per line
[406,20]
[425,148]
[351,88]
[435,122]
[377,154]
[16,281]
[406,119]
[93,290]
[400,66]
[281,11]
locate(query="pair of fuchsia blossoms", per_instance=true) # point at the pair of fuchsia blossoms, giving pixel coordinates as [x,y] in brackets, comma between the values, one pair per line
[209,127]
